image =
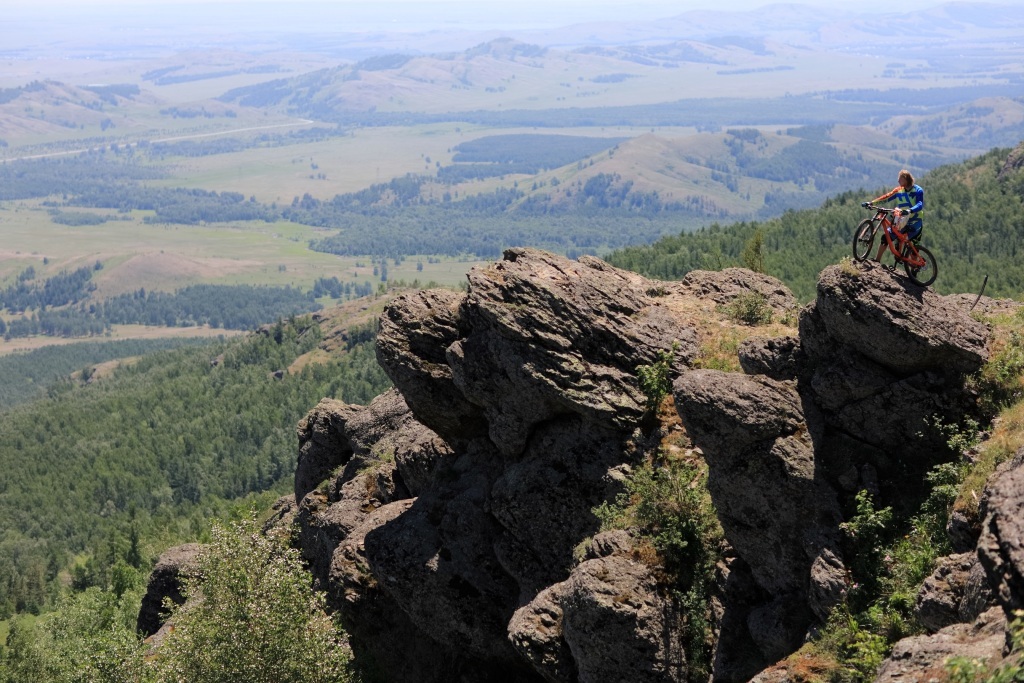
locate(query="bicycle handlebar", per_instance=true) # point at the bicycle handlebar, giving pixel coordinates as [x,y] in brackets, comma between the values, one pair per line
[875,207]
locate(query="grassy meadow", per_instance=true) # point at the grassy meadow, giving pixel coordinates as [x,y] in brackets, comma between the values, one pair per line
[167,257]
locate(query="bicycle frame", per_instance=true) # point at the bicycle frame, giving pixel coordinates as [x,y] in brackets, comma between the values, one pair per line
[884,216]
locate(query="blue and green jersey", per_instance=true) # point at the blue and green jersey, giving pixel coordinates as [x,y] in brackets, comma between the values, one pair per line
[911,201]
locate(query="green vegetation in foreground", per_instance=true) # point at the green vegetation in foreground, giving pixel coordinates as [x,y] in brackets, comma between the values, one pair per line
[259,621]
[972,225]
[30,375]
[112,472]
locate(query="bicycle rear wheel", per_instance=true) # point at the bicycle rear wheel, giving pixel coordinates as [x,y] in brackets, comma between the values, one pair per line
[864,239]
[926,274]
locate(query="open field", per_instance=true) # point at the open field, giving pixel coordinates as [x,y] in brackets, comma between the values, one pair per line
[363,157]
[136,255]
[167,257]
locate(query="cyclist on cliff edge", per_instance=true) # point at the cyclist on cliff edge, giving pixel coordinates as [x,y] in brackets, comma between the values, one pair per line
[909,205]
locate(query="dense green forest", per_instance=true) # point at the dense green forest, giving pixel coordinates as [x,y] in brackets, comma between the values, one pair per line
[498,155]
[60,290]
[485,234]
[30,375]
[101,475]
[56,307]
[973,218]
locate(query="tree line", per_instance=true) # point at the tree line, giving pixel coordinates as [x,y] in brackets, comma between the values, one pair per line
[65,288]
[236,307]
[498,155]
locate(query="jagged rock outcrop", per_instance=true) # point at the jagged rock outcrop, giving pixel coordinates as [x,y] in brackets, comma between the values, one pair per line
[885,362]
[821,415]
[898,325]
[448,516]
[526,401]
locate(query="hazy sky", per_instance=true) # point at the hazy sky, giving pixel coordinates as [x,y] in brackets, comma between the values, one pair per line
[596,8]
[40,23]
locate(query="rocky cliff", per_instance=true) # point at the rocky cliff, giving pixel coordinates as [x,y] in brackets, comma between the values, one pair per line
[451,522]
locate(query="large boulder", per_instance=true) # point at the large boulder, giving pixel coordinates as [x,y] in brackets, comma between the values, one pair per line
[545,337]
[885,361]
[607,622]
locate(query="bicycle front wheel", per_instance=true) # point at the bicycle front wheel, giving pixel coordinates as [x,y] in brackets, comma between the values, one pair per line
[863,239]
[926,274]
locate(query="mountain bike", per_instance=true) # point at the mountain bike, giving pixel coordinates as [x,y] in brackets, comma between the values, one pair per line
[917,260]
